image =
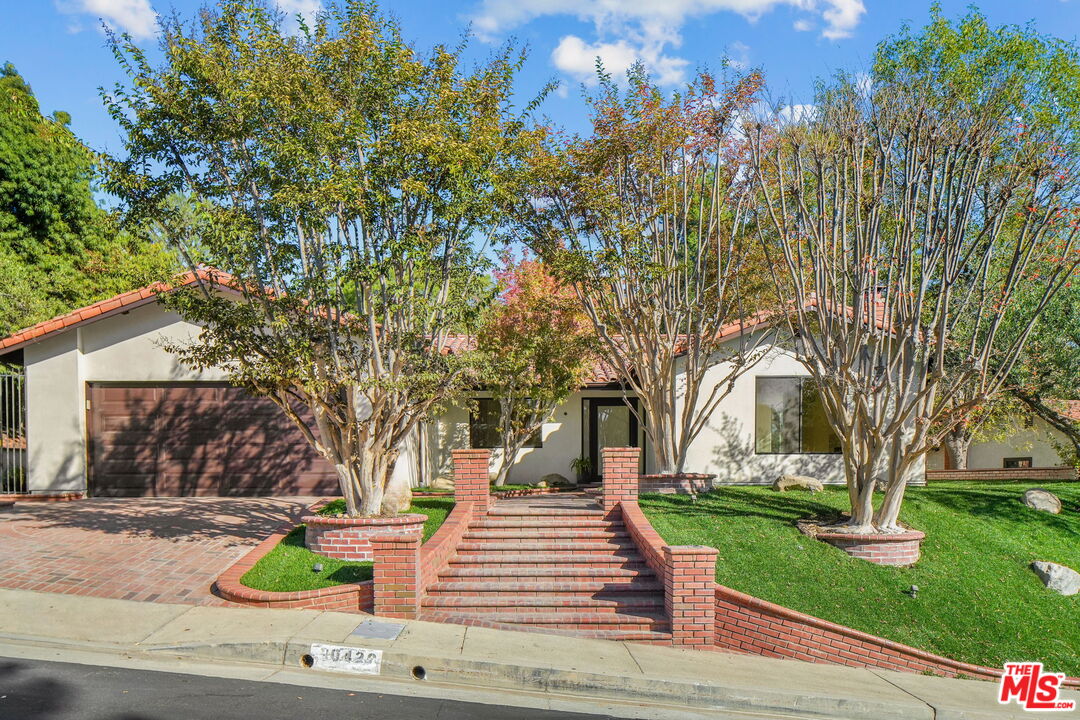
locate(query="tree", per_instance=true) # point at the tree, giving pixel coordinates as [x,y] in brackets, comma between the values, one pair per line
[1044,378]
[907,219]
[340,177]
[58,249]
[646,219]
[537,349]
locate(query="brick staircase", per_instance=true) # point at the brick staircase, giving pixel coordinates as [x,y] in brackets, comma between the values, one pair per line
[555,564]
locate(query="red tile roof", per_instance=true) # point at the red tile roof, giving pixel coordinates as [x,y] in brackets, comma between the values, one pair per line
[120,303]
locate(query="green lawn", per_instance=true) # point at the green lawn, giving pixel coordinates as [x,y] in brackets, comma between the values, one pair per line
[287,568]
[978,600]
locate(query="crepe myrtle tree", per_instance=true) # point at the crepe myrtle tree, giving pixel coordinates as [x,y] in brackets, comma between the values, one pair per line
[907,218]
[340,177]
[536,348]
[646,218]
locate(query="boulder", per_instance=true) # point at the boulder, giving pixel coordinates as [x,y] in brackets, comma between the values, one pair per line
[1044,500]
[553,480]
[786,482]
[1059,578]
[541,484]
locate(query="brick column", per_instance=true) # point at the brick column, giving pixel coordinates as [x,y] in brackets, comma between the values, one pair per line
[690,593]
[620,471]
[472,478]
[396,575]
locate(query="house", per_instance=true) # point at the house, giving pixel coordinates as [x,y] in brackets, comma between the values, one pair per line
[109,411]
[1031,445]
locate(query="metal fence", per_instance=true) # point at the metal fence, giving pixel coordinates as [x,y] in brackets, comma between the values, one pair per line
[12,433]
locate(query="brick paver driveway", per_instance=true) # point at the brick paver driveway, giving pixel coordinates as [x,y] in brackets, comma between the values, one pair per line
[152,549]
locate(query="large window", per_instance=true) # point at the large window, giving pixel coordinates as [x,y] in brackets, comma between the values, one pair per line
[791,418]
[484,426]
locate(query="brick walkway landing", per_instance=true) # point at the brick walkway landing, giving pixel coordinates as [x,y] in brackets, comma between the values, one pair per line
[553,563]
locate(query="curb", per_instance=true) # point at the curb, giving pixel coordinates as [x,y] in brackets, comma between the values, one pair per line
[497,675]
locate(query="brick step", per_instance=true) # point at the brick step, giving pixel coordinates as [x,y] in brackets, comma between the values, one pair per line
[531,571]
[597,602]
[594,546]
[528,521]
[650,636]
[555,534]
[512,559]
[567,586]
[493,586]
[554,513]
[577,620]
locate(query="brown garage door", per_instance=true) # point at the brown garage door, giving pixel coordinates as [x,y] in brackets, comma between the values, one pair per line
[197,439]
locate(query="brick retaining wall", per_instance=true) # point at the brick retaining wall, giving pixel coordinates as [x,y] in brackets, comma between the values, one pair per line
[679,483]
[342,598]
[347,538]
[750,625]
[1050,473]
[899,549]
[442,546]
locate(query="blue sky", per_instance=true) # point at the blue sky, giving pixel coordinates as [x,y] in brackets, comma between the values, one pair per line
[57,45]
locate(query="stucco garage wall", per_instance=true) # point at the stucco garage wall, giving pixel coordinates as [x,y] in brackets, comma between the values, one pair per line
[124,348]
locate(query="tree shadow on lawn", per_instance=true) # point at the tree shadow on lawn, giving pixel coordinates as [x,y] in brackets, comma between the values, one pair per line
[346,573]
[999,504]
[738,502]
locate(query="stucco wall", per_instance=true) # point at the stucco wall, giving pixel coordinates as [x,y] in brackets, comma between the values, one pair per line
[726,446]
[1033,442]
[562,440]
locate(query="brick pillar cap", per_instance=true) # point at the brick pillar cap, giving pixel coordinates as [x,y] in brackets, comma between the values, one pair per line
[470,451]
[690,550]
[621,450]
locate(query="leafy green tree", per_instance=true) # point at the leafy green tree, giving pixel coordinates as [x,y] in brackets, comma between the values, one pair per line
[536,348]
[647,218]
[58,249]
[340,176]
[922,224]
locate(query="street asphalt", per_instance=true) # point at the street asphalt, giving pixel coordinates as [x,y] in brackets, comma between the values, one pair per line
[38,690]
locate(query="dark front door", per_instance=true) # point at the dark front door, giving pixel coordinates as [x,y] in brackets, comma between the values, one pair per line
[612,423]
[184,439]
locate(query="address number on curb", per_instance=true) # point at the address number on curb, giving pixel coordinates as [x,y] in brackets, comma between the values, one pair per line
[346,659]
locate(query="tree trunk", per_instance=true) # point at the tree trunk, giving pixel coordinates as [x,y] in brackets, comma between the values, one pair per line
[957,444]
[398,494]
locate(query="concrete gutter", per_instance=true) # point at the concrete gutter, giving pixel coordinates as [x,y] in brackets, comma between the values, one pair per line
[498,660]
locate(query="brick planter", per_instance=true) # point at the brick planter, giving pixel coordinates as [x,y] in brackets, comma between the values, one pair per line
[348,538]
[878,548]
[676,483]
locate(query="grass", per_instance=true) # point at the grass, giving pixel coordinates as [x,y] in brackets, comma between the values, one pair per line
[978,600]
[287,568]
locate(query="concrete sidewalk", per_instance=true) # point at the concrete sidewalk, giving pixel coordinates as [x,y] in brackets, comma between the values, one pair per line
[495,659]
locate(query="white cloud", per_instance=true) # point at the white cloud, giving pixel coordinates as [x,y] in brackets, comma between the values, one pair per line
[803,25]
[647,29]
[841,17]
[134,17]
[738,55]
[307,9]
[796,113]
[139,19]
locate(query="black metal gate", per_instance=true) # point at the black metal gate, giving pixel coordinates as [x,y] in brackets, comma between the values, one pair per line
[12,433]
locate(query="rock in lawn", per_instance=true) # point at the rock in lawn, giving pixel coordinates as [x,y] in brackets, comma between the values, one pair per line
[1044,500]
[553,480]
[786,482]
[1059,578]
